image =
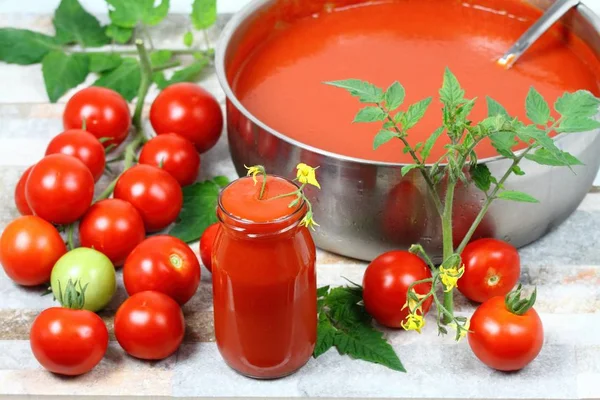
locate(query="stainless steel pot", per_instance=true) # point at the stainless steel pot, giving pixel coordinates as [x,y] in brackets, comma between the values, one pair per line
[367,207]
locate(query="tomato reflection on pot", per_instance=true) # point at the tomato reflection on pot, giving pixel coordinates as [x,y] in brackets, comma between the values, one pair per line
[404,216]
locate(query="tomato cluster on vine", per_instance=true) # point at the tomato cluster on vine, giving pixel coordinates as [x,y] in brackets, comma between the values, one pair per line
[160,273]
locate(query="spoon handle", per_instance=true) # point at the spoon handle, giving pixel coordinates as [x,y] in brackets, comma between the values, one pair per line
[550,17]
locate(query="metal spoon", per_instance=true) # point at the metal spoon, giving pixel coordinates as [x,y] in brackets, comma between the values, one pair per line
[551,16]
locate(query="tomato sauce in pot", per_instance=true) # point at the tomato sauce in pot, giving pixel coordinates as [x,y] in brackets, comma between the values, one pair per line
[280,79]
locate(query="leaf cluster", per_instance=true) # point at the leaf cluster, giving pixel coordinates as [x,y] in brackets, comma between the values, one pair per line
[343,323]
[66,63]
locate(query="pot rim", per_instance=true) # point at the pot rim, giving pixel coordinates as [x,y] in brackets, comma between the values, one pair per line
[241,16]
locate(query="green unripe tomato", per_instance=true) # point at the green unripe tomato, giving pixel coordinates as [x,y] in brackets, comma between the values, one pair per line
[88,267]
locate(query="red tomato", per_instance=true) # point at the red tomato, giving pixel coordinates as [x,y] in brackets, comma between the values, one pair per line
[60,189]
[20,198]
[164,264]
[404,216]
[113,227]
[29,248]
[206,244]
[82,145]
[105,112]
[176,154]
[503,340]
[149,325]
[153,192]
[464,214]
[386,282]
[189,111]
[492,268]
[68,342]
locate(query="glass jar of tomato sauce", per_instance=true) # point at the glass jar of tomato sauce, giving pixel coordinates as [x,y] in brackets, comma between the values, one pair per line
[264,283]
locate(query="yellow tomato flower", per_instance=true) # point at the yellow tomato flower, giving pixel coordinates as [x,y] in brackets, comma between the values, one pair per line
[255,170]
[306,174]
[450,277]
[308,221]
[411,303]
[463,332]
[413,322]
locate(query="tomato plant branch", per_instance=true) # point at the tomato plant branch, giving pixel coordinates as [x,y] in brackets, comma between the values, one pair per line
[447,239]
[70,240]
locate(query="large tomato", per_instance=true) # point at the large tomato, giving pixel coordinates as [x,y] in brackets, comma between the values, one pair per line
[105,112]
[149,325]
[175,154]
[113,227]
[20,197]
[386,282]
[206,244]
[164,264]
[189,111]
[29,248]
[503,339]
[82,145]
[153,192]
[492,268]
[90,269]
[60,189]
[68,342]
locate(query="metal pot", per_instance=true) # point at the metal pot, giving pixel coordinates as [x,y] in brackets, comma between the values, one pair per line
[367,207]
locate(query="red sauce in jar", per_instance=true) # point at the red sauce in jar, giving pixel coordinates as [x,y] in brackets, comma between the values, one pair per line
[280,79]
[264,283]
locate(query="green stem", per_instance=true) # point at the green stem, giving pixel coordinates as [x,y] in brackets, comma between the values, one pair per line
[70,241]
[145,83]
[263,186]
[206,39]
[448,244]
[490,197]
[109,190]
[175,52]
[294,193]
[168,65]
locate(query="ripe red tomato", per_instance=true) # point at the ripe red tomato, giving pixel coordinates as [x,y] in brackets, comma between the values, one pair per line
[149,325]
[60,189]
[386,282]
[29,248]
[176,154]
[405,215]
[20,198]
[153,192]
[164,264]
[68,342]
[189,111]
[105,112]
[492,268]
[503,340]
[82,145]
[113,227]
[206,244]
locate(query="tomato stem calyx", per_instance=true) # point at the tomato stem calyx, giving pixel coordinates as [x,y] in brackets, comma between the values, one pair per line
[73,297]
[515,304]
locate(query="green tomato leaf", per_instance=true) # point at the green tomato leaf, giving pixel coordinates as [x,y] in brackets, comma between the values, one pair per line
[503,142]
[188,39]
[407,168]
[430,142]
[125,79]
[518,171]
[394,96]
[482,177]
[190,73]
[577,124]
[579,104]
[220,180]
[119,34]
[204,13]
[365,91]
[198,212]
[495,108]
[383,137]
[160,58]
[73,24]
[415,113]
[22,46]
[63,72]
[128,13]
[322,291]
[325,336]
[102,62]
[451,93]
[545,157]
[370,114]
[537,108]
[512,195]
